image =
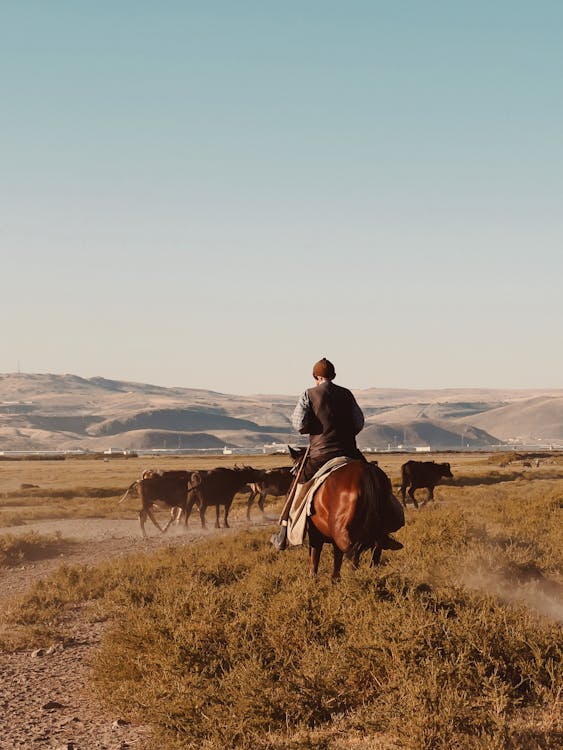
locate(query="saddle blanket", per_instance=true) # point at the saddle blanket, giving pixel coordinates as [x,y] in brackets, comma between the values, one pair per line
[300,510]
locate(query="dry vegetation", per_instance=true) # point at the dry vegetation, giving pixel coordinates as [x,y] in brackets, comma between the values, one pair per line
[83,488]
[454,642]
[16,549]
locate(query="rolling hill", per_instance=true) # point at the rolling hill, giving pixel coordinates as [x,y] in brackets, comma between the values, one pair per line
[66,412]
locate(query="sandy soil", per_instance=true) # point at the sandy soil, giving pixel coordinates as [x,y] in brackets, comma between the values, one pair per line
[44,694]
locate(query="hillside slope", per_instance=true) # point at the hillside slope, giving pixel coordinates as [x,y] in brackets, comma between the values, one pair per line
[534,420]
[68,412]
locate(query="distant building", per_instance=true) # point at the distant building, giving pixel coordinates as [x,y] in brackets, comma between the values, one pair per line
[275,448]
[422,448]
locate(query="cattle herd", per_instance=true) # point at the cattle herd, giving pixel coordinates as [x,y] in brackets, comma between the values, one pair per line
[180,491]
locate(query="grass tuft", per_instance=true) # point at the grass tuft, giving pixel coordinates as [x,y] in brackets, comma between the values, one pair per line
[15,550]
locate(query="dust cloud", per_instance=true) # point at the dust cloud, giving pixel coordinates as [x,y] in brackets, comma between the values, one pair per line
[541,595]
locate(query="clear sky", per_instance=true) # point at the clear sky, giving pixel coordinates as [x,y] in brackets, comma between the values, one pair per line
[215,194]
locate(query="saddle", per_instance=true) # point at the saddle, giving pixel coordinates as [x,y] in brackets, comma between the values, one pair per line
[302,505]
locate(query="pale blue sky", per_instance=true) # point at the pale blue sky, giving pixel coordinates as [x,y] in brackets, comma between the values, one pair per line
[215,194]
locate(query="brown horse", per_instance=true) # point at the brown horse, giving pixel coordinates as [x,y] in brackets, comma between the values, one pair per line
[355,510]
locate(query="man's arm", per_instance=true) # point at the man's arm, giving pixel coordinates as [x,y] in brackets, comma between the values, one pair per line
[357,417]
[301,417]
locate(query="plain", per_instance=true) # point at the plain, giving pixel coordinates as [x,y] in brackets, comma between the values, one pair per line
[453,642]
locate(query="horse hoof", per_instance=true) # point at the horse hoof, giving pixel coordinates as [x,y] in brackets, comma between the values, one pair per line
[390,543]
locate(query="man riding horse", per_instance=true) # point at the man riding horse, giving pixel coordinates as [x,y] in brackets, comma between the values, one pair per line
[330,415]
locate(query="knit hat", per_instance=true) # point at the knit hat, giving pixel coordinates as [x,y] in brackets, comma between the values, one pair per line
[324,369]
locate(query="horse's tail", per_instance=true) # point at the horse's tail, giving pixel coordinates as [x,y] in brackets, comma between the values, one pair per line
[368,520]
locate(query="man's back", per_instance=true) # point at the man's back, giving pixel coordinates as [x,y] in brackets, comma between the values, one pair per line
[334,423]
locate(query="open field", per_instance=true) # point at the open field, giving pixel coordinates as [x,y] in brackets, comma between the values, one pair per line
[87,488]
[211,639]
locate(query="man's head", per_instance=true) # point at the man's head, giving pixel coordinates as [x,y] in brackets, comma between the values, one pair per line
[324,369]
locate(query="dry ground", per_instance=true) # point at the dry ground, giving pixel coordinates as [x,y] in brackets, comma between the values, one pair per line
[44,694]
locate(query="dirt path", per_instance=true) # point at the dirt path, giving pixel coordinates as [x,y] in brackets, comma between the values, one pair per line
[44,694]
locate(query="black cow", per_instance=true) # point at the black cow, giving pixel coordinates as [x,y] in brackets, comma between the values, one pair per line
[218,487]
[419,474]
[167,489]
[274,482]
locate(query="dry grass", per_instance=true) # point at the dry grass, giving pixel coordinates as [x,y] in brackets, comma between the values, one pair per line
[453,642]
[85,488]
[15,550]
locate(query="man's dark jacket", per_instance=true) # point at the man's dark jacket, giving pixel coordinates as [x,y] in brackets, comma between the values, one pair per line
[333,421]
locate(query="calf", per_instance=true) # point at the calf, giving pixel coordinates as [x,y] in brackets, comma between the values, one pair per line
[274,482]
[218,487]
[419,474]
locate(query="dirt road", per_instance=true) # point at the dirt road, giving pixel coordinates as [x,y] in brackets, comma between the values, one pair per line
[44,696]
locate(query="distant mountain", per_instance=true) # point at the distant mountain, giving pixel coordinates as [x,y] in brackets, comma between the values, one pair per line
[536,420]
[64,412]
[437,435]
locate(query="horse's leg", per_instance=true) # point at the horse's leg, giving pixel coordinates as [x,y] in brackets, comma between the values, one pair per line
[412,497]
[202,509]
[261,500]
[376,555]
[341,539]
[227,507]
[217,509]
[314,558]
[338,556]
[315,549]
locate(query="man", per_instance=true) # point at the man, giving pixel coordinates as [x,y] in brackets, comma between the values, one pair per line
[330,415]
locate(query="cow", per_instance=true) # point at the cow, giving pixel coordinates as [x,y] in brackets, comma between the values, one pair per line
[274,482]
[419,474]
[218,487]
[175,512]
[167,489]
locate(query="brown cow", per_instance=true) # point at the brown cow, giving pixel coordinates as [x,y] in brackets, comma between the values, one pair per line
[218,487]
[274,482]
[175,512]
[422,474]
[164,490]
